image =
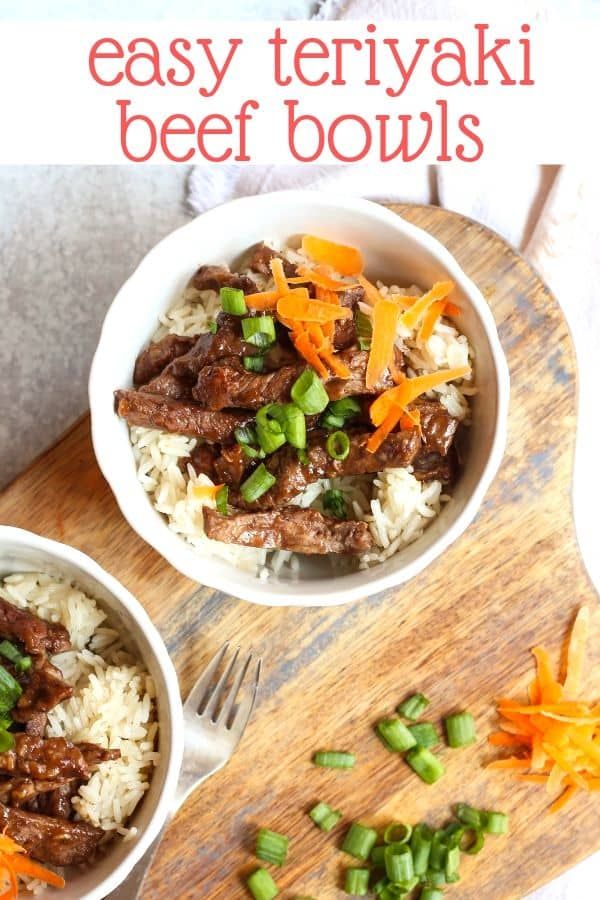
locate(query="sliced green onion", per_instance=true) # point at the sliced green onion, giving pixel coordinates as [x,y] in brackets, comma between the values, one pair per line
[9,651]
[425,734]
[413,707]
[420,844]
[468,815]
[403,888]
[438,851]
[335,503]
[324,816]
[390,893]
[397,833]
[7,741]
[331,422]
[460,729]
[495,822]
[245,435]
[10,690]
[452,864]
[359,841]
[399,863]
[395,735]
[213,327]
[303,457]
[293,423]
[435,878]
[475,842]
[338,445]
[253,363]
[233,301]
[309,394]
[269,430]
[379,886]
[5,722]
[364,329]
[378,855]
[357,882]
[334,759]
[257,484]
[221,500]
[252,452]
[431,893]
[453,834]
[427,766]
[23,665]
[271,847]
[339,412]
[259,330]
[261,885]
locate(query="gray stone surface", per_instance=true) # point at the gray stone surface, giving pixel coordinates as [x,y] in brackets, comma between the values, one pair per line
[69,237]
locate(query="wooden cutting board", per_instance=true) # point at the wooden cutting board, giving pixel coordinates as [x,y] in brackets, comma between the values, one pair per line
[460,632]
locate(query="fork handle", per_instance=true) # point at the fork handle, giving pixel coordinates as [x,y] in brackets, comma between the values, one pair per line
[130,888]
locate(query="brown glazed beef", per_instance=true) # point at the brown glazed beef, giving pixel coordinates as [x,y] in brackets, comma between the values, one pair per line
[36,635]
[231,465]
[261,258]
[93,754]
[435,467]
[213,278]
[178,416]
[344,335]
[438,427]
[44,688]
[300,530]
[293,476]
[227,384]
[202,459]
[55,841]
[159,354]
[44,759]
[355,385]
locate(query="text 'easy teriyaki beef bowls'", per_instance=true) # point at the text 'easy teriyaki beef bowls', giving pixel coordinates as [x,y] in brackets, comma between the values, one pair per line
[298,416]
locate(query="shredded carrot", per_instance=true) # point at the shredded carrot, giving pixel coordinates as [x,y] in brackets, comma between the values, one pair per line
[296,305]
[386,427]
[410,420]
[409,389]
[336,365]
[343,259]
[560,735]
[371,293]
[321,278]
[576,652]
[262,300]
[385,322]
[435,311]
[439,291]
[25,866]
[281,285]
[14,859]
[306,348]
[206,491]
[451,309]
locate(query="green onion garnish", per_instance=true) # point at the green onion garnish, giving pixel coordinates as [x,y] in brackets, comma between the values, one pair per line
[7,741]
[452,864]
[252,452]
[425,734]
[437,852]
[395,735]
[339,412]
[334,759]
[221,500]
[268,429]
[293,423]
[309,394]
[413,707]
[431,893]
[398,863]
[303,457]
[420,845]
[495,822]
[460,729]
[469,816]
[213,327]
[427,766]
[259,325]
[338,445]
[261,885]
[271,847]
[257,484]
[253,363]
[357,882]
[233,301]
[245,435]
[397,833]
[364,329]
[5,722]
[335,503]
[331,422]
[10,690]
[359,841]
[324,816]
[14,655]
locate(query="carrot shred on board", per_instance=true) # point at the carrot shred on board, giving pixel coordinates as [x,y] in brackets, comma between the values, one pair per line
[262,300]
[296,305]
[413,315]
[281,285]
[343,259]
[561,734]
[411,388]
[206,491]
[385,322]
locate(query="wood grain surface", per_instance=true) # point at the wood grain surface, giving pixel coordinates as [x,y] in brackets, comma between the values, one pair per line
[461,632]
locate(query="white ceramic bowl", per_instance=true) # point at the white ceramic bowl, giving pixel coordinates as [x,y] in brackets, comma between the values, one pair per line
[22,551]
[396,252]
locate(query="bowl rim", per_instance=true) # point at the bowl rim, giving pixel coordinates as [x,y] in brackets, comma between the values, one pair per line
[318,592]
[65,553]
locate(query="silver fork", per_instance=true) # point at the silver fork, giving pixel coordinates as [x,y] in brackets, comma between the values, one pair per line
[213,729]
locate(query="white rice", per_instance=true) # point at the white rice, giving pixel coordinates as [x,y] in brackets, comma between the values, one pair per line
[396,505]
[113,703]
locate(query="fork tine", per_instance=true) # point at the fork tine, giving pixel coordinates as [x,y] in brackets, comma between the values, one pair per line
[200,688]
[233,692]
[209,710]
[245,708]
